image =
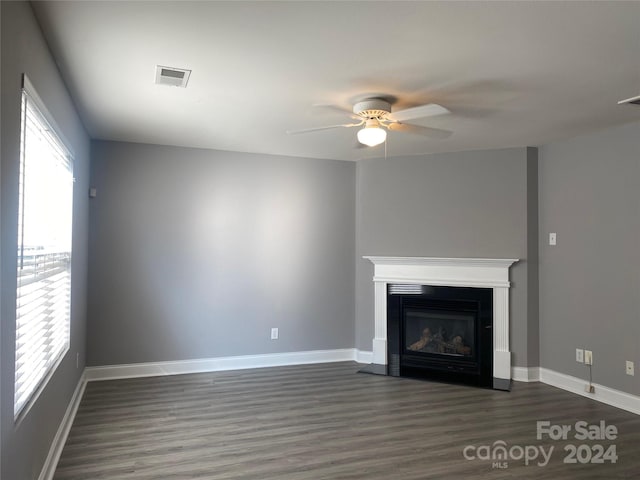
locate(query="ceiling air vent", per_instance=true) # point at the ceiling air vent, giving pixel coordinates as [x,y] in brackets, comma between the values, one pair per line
[634,100]
[175,77]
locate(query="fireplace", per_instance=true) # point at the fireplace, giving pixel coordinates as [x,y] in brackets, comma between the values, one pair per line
[442,333]
[469,354]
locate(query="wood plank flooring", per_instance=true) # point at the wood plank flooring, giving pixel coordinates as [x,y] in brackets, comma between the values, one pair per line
[326,422]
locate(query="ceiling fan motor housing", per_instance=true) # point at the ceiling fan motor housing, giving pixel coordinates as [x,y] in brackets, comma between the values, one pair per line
[372,108]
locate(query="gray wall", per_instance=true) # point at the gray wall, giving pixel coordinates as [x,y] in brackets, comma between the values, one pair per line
[198,253]
[590,281]
[25,446]
[467,204]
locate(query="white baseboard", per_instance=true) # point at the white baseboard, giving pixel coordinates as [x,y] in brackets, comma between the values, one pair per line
[51,462]
[610,396]
[525,374]
[602,394]
[111,372]
[363,356]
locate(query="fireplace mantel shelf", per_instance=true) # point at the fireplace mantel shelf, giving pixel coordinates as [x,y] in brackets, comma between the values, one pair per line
[478,262]
[463,272]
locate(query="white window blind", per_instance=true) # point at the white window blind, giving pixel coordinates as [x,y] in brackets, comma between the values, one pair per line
[44,251]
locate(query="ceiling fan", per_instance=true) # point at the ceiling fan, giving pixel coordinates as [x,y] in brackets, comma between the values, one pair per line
[375,116]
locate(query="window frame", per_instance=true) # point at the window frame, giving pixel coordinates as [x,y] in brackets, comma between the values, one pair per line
[49,124]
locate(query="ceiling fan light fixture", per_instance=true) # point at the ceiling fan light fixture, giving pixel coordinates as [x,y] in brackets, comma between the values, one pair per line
[372,135]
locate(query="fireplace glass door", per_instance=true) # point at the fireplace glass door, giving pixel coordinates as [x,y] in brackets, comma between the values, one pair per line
[439,332]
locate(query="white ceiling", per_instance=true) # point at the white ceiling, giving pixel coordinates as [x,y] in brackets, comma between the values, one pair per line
[512,73]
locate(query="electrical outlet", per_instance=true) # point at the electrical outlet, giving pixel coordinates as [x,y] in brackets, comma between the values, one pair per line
[590,389]
[629,368]
[588,357]
[579,355]
[274,334]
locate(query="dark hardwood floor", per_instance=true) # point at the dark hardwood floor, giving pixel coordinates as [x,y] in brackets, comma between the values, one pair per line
[329,422]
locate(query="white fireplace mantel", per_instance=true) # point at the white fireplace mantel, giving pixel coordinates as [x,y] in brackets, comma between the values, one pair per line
[455,272]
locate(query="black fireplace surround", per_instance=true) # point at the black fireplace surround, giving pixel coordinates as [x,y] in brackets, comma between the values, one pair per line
[440,333]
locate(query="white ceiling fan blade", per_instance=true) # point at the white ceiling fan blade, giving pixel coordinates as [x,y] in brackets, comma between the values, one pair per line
[418,130]
[328,127]
[429,110]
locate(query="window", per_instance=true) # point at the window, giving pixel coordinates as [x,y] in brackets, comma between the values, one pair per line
[44,251]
